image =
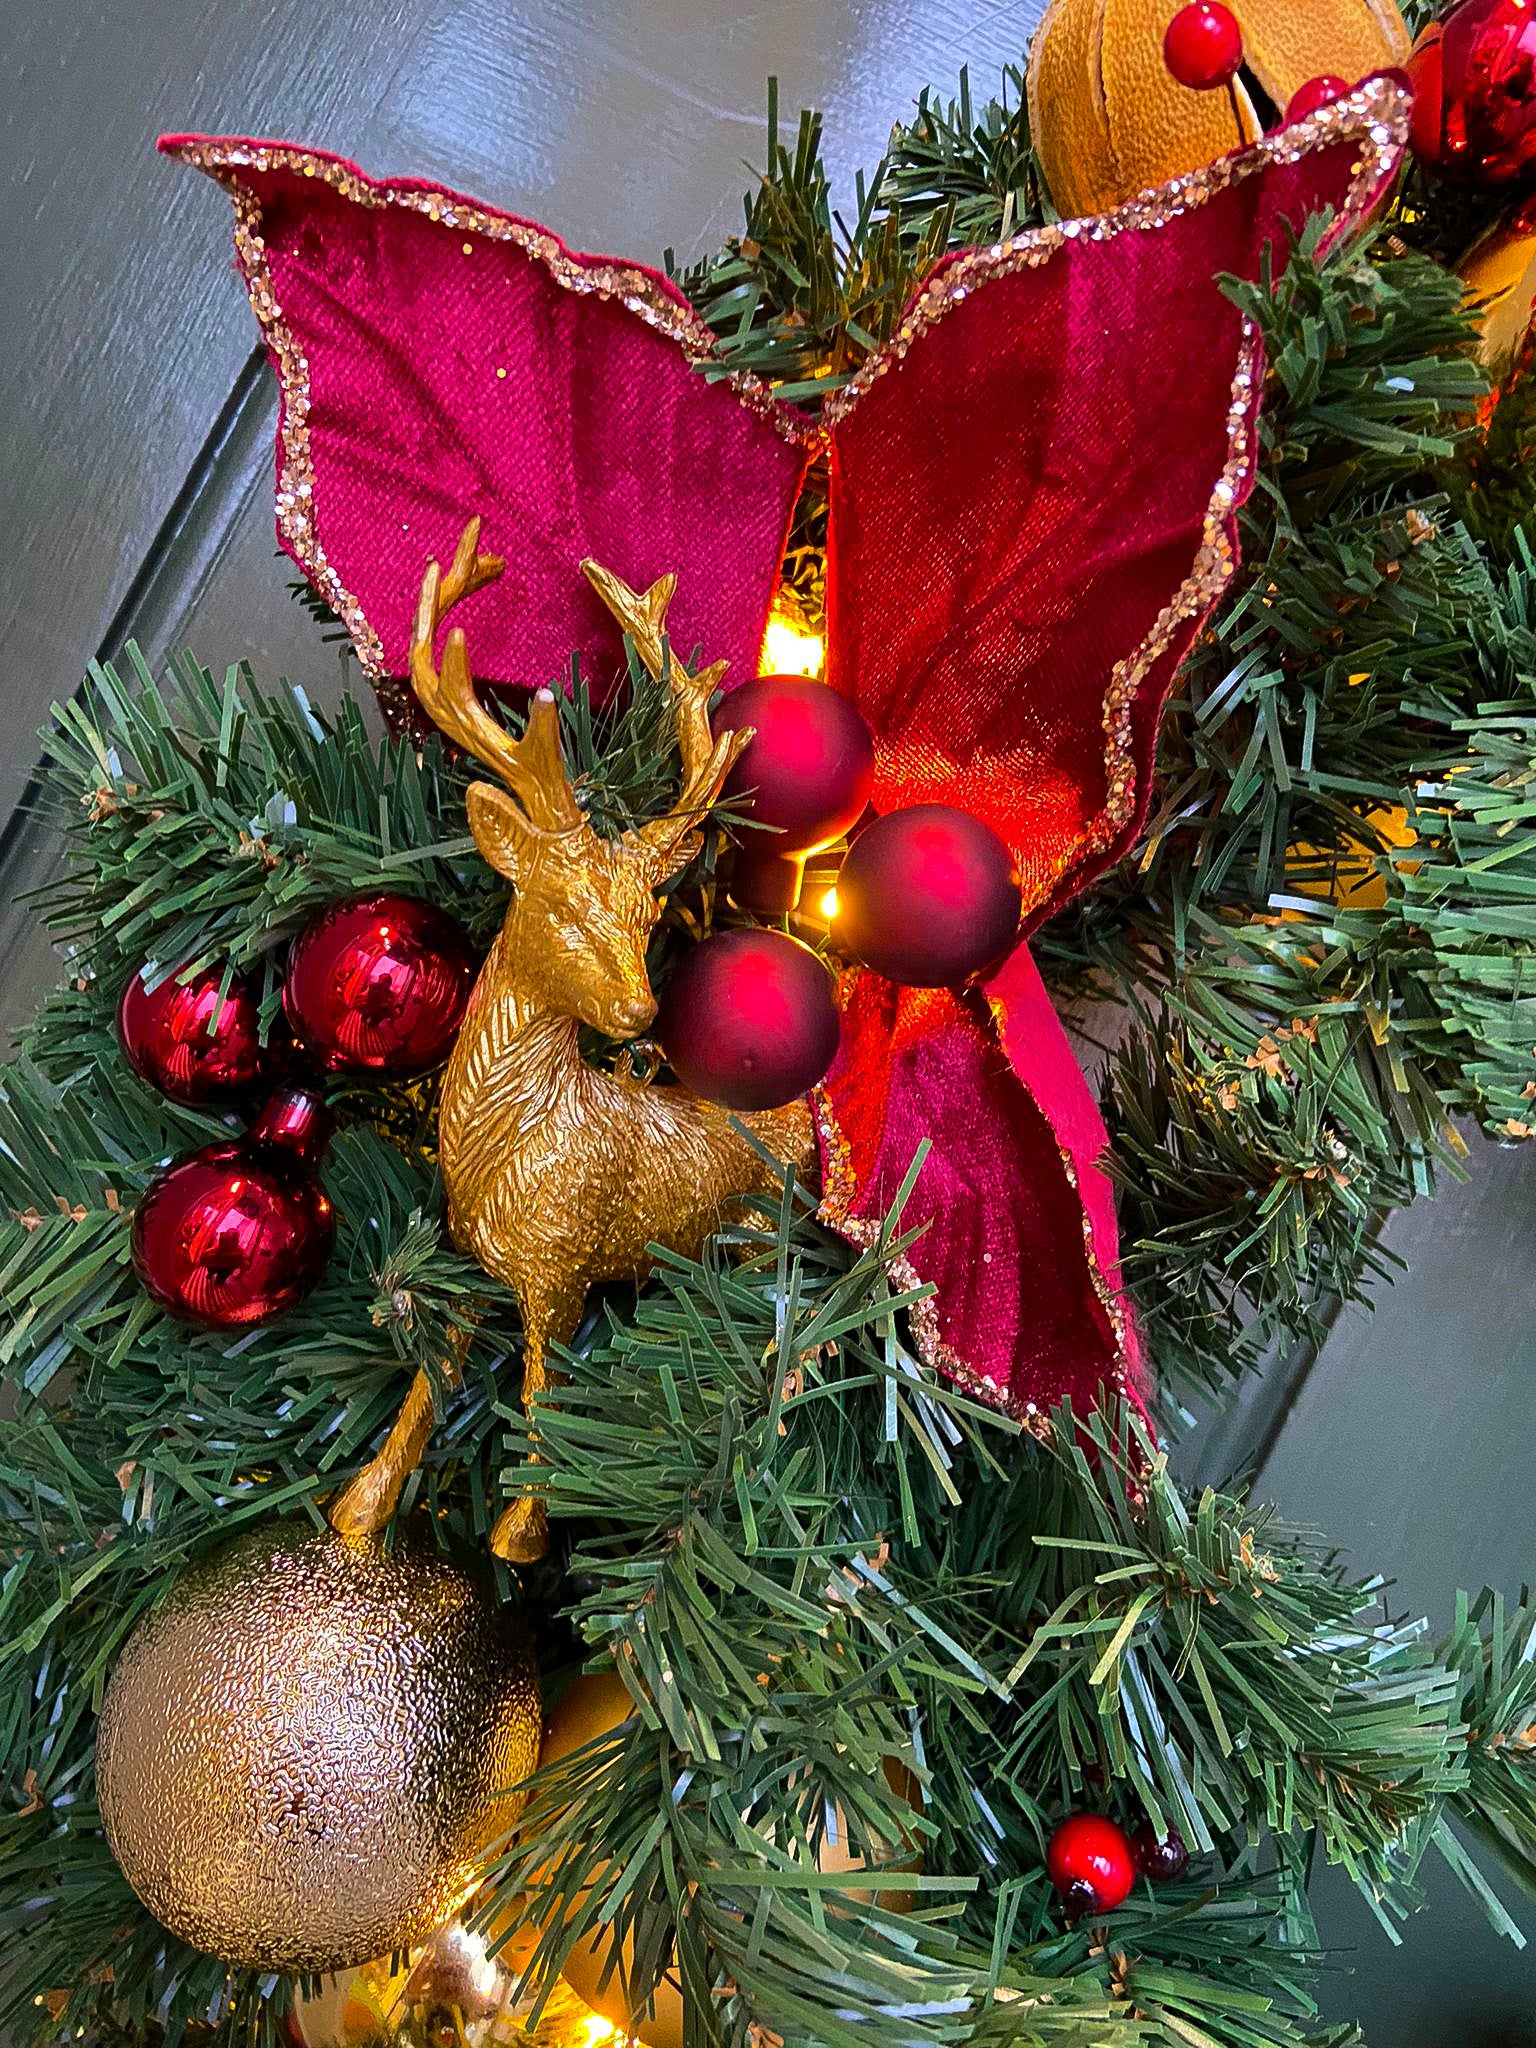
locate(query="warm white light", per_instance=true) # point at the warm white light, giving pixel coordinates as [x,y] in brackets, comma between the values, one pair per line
[829,905]
[597,2030]
[790,651]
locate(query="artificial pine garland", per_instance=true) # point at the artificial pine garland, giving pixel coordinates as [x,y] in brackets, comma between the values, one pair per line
[1318,958]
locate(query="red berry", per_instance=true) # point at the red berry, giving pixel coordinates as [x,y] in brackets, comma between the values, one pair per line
[1317,92]
[749,1019]
[1090,1862]
[1203,46]
[928,897]
[1160,1858]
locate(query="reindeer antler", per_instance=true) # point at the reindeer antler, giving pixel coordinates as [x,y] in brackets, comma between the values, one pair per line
[533,768]
[706,760]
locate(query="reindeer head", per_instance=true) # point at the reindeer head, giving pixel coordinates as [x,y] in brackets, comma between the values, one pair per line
[583,907]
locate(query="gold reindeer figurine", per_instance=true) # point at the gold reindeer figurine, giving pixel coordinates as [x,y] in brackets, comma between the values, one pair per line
[557,1173]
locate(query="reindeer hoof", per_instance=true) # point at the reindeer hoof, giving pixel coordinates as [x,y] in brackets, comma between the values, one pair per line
[522,1534]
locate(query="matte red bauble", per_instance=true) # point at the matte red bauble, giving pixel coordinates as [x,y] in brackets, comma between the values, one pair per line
[1160,1858]
[379,984]
[928,897]
[1474,93]
[749,1019]
[1203,45]
[1317,92]
[238,1232]
[1091,1864]
[195,1046]
[806,771]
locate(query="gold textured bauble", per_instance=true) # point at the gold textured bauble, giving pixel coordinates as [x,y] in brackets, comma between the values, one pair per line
[307,1749]
[1108,119]
[450,1993]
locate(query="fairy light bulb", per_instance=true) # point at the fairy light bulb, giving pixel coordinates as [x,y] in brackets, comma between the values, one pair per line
[788,650]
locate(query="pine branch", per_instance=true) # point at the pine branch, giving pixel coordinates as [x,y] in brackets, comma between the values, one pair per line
[1492,1651]
[814,1560]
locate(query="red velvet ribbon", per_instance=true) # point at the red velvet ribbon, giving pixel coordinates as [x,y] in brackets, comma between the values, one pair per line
[1034,486]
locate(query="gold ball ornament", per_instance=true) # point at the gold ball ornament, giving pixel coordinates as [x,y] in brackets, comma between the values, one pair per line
[308,1747]
[1109,120]
[592,1705]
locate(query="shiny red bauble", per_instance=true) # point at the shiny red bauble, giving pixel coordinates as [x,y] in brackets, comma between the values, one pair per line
[1474,93]
[1161,1859]
[1203,45]
[749,1019]
[189,1041]
[1091,1864]
[806,772]
[1317,92]
[928,897]
[379,985]
[238,1232]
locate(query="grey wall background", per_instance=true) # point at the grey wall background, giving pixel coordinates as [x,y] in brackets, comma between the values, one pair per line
[136,426]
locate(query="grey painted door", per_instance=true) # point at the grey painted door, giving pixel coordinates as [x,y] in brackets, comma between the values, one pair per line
[136,427]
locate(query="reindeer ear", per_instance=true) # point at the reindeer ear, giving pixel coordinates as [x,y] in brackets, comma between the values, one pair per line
[502,833]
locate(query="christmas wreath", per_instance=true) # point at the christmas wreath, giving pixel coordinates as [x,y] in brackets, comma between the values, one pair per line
[592,1379]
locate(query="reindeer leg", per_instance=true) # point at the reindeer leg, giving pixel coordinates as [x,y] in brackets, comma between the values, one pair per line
[521,1536]
[365,1505]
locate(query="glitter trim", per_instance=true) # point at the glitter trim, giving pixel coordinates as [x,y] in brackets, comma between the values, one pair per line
[1375,114]
[840,1190]
[1214,566]
[641,292]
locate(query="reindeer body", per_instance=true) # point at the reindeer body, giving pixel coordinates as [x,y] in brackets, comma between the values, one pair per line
[557,1173]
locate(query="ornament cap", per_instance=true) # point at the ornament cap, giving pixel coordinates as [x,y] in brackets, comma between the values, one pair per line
[295,1120]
